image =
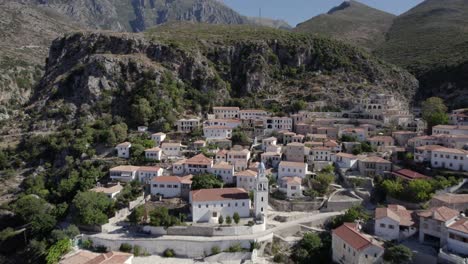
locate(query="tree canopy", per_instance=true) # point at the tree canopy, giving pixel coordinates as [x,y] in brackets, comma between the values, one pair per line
[312,248]
[92,208]
[398,254]
[434,112]
[206,181]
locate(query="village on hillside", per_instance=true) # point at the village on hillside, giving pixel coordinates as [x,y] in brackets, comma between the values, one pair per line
[245,180]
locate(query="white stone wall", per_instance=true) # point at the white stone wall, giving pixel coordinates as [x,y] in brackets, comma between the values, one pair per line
[123,152]
[457,246]
[245,182]
[343,253]
[387,228]
[171,151]
[203,211]
[217,133]
[153,155]
[226,174]
[451,161]
[284,171]
[162,188]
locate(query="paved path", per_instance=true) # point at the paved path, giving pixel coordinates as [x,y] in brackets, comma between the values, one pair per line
[255,236]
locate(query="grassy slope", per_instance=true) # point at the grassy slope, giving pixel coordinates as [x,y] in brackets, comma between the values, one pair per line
[434,33]
[354,23]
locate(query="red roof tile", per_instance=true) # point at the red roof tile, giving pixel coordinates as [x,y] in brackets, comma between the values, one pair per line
[348,232]
[205,195]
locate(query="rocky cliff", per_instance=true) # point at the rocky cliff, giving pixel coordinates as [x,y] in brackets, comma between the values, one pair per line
[155,76]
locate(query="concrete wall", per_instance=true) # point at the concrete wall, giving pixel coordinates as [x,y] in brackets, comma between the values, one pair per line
[190,248]
[291,206]
[205,230]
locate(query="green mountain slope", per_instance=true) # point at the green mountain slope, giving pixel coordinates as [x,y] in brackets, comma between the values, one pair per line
[26,33]
[176,68]
[351,22]
[431,40]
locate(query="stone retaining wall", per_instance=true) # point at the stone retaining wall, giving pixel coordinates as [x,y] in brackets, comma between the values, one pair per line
[299,206]
[205,230]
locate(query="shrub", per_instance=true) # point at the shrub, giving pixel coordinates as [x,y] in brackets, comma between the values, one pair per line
[236,217]
[235,248]
[125,247]
[251,223]
[228,220]
[169,253]
[137,251]
[215,250]
[221,220]
[280,258]
[87,244]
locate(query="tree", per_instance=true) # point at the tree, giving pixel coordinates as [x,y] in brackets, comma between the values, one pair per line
[350,216]
[141,112]
[137,215]
[392,187]
[239,137]
[58,250]
[228,220]
[312,248]
[120,131]
[434,112]
[161,217]
[206,181]
[37,212]
[221,220]
[398,254]
[236,217]
[298,105]
[3,160]
[321,183]
[92,208]
[419,190]
[69,233]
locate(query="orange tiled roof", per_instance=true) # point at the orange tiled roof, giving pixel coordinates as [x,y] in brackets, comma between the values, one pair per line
[442,213]
[460,225]
[349,233]
[199,159]
[205,195]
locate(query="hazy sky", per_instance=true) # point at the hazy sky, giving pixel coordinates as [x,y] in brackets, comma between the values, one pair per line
[296,11]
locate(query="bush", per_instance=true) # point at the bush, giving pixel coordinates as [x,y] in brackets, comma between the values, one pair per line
[251,223]
[215,250]
[228,220]
[169,253]
[57,251]
[280,258]
[221,220]
[235,248]
[125,247]
[137,251]
[279,195]
[87,244]
[236,217]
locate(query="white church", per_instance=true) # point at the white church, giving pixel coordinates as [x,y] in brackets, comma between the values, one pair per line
[209,204]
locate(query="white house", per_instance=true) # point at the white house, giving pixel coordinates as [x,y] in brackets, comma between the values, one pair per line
[238,158]
[158,138]
[187,125]
[459,117]
[271,159]
[246,179]
[424,153]
[319,154]
[226,112]
[288,168]
[296,152]
[255,114]
[153,153]
[198,164]
[209,204]
[274,148]
[225,171]
[231,123]
[217,132]
[450,130]
[171,186]
[291,186]
[268,142]
[111,191]
[146,173]
[452,159]
[350,246]
[358,132]
[172,149]
[433,225]
[457,240]
[394,222]
[124,173]
[346,161]
[123,150]
[277,123]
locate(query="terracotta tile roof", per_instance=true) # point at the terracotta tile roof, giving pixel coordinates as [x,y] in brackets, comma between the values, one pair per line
[108,190]
[321,148]
[217,127]
[169,144]
[295,144]
[239,152]
[292,180]
[199,159]
[246,173]
[429,147]
[124,145]
[128,168]
[292,164]
[149,168]
[450,127]
[349,233]
[331,143]
[159,134]
[222,165]
[381,138]
[226,108]
[270,139]
[205,195]
[451,150]
[156,149]
[253,111]
[409,174]
[289,133]
[270,154]
[403,132]
[79,257]
[222,152]
[86,257]
[451,198]
[397,213]
[442,213]
[185,179]
[460,225]
[346,155]
[375,159]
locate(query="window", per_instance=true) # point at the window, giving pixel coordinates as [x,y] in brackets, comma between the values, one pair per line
[366,255]
[344,245]
[391,227]
[199,206]
[207,206]
[382,225]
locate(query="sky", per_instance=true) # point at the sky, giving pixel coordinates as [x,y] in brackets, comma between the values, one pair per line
[296,11]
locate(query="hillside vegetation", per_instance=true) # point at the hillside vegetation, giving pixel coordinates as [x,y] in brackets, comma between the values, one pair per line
[352,22]
[431,41]
[186,67]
